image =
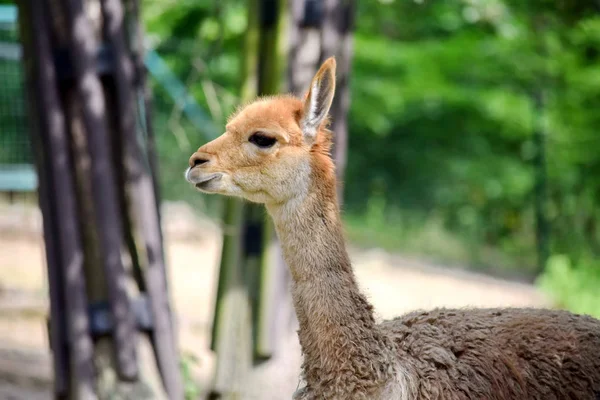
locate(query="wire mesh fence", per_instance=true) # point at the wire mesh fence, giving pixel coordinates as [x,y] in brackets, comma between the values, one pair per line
[13,120]
[16,164]
[179,120]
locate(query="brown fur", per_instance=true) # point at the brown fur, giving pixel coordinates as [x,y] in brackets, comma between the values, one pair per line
[499,353]
[441,354]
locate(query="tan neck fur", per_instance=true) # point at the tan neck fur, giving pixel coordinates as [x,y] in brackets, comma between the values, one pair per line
[336,321]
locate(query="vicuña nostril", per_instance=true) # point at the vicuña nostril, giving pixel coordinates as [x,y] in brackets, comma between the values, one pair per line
[197,160]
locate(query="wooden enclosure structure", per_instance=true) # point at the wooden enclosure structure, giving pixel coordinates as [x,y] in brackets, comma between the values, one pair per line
[96,165]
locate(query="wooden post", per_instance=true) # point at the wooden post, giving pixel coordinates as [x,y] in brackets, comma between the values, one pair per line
[304,43]
[321,29]
[336,38]
[83,46]
[240,331]
[70,340]
[232,326]
[140,193]
[88,207]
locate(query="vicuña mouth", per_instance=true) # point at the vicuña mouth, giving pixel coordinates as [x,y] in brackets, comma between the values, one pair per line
[207,180]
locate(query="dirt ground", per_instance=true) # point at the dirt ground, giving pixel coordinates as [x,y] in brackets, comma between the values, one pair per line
[395,284]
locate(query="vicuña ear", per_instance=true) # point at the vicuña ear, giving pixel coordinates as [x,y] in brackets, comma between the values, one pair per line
[318,99]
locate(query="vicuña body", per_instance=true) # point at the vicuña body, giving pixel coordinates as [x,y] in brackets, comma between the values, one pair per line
[276,151]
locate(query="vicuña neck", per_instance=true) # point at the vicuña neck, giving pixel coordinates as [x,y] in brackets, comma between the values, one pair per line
[336,321]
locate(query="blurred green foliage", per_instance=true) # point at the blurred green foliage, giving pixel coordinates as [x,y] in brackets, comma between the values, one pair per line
[442,119]
[442,123]
[191,388]
[201,41]
[573,286]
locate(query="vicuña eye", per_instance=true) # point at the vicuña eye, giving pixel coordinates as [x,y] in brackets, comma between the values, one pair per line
[262,140]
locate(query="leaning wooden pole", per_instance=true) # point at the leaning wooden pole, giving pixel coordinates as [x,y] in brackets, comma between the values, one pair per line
[69,337]
[83,48]
[140,194]
[97,193]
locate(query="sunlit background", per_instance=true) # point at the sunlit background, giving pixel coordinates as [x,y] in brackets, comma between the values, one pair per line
[471,176]
[472,128]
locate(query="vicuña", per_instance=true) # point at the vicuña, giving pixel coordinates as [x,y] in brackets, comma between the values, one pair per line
[276,151]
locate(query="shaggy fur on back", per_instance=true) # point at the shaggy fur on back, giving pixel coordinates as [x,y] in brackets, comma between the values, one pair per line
[498,354]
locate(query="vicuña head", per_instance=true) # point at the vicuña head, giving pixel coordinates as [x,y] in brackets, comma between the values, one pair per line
[276,151]
[270,147]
